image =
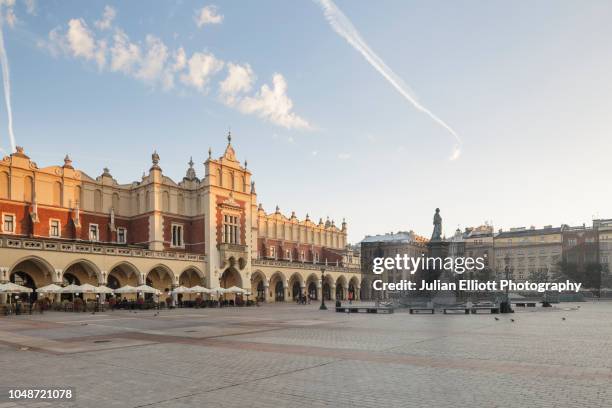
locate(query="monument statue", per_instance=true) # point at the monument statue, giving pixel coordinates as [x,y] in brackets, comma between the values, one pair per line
[437,222]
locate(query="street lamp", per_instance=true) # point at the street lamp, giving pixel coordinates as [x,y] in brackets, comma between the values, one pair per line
[322,307]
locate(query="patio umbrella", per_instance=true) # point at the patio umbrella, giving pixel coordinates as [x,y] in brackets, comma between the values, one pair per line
[218,291]
[180,289]
[72,289]
[103,289]
[126,289]
[235,289]
[52,288]
[198,289]
[148,289]
[11,287]
[87,288]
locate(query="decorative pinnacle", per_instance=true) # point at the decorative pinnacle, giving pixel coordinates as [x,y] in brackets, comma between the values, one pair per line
[191,162]
[246,163]
[229,137]
[209,153]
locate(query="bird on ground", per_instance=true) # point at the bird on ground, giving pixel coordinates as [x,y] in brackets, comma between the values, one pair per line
[512,320]
[563,318]
[497,318]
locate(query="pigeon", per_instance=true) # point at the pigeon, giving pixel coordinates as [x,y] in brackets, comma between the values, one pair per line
[512,320]
[563,318]
[497,318]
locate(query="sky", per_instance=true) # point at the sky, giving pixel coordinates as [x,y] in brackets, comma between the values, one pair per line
[374,112]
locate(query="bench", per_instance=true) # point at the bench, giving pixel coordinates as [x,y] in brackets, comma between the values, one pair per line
[465,310]
[491,309]
[419,309]
[364,309]
[525,304]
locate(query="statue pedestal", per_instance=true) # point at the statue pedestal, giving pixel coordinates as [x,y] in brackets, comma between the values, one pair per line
[440,249]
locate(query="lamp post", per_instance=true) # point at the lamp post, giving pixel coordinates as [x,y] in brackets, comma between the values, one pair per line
[322,307]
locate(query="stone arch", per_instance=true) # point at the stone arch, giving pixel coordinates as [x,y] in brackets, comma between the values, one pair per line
[191,276]
[81,271]
[278,286]
[341,288]
[312,286]
[296,285]
[259,283]
[121,274]
[328,288]
[230,277]
[32,272]
[160,277]
[353,289]
[84,270]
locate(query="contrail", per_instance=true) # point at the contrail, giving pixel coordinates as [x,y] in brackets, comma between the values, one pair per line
[343,26]
[7,84]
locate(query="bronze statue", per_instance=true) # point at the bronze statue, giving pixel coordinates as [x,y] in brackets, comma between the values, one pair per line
[437,222]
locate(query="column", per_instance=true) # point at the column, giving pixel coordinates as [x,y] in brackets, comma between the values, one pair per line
[3,279]
[319,291]
[358,293]
[332,289]
[268,294]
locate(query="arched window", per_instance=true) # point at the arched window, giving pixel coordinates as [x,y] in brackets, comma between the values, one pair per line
[98,201]
[57,193]
[220,177]
[28,189]
[233,181]
[4,185]
[147,202]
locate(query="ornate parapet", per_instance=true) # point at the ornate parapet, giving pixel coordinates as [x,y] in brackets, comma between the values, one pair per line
[303,265]
[95,248]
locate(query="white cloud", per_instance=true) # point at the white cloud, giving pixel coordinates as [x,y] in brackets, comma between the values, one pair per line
[207,15]
[200,68]
[80,39]
[344,156]
[125,55]
[239,80]
[153,63]
[274,105]
[107,18]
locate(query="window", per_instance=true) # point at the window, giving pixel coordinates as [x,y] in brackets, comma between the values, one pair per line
[316,257]
[121,235]
[231,229]
[54,228]
[94,234]
[177,235]
[302,256]
[272,252]
[287,254]
[8,223]
[571,242]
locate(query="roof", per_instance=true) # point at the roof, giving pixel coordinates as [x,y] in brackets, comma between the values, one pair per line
[528,232]
[399,237]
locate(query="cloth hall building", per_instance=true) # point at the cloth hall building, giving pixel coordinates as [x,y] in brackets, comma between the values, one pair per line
[60,225]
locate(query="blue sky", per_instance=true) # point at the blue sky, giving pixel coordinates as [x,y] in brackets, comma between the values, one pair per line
[526,86]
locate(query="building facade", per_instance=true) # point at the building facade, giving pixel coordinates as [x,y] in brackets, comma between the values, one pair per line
[60,225]
[603,229]
[527,251]
[388,245]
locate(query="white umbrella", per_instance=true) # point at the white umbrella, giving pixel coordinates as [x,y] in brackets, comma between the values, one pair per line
[148,289]
[52,288]
[11,287]
[103,289]
[180,289]
[72,289]
[198,289]
[87,288]
[218,291]
[235,289]
[126,289]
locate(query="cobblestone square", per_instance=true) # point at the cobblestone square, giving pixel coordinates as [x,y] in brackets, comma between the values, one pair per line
[297,356]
